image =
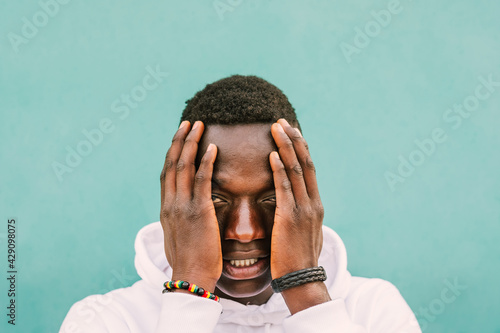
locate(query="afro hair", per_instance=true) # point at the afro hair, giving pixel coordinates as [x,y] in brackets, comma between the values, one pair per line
[238,100]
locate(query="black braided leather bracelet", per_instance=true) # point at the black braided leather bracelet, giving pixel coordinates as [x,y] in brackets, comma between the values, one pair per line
[298,278]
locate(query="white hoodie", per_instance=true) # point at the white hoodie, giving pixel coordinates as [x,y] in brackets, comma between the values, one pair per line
[359,305]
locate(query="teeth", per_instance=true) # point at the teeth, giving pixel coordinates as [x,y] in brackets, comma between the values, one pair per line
[243,262]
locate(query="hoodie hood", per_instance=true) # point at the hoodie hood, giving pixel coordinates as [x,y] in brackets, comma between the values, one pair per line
[152,266]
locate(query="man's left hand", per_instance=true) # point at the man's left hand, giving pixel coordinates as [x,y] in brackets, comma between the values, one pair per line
[297,235]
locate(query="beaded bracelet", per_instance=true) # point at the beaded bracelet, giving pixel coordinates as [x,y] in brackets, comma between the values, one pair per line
[298,278]
[179,284]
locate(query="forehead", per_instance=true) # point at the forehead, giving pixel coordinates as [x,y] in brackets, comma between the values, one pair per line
[255,138]
[242,152]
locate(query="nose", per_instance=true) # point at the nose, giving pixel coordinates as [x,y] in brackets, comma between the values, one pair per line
[244,224]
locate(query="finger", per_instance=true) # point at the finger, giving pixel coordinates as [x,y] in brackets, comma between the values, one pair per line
[289,158]
[203,178]
[304,157]
[282,185]
[186,167]
[168,174]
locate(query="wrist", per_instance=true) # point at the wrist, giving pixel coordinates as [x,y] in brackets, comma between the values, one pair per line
[203,282]
[305,296]
[287,269]
[171,286]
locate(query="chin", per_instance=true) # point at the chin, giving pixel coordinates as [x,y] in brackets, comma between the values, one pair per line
[244,288]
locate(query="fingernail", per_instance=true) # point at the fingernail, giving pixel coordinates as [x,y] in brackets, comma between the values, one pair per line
[196,124]
[210,147]
[298,131]
[183,124]
[286,122]
[275,155]
[280,128]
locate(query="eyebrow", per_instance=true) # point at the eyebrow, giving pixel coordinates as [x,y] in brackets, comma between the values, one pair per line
[220,182]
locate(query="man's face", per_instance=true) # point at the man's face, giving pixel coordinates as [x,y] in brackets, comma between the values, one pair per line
[244,200]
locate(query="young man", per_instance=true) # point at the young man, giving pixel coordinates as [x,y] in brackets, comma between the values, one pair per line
[240,209]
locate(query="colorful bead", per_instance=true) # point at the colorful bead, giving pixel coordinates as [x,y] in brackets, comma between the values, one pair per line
[193,288]
[179,284]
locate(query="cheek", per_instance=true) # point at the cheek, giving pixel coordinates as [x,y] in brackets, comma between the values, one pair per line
[220,213]
[267,214]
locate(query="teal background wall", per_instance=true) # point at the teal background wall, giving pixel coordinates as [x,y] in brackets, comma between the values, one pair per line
[362,102]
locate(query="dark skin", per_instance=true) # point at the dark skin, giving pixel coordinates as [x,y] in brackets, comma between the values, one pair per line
[240,207]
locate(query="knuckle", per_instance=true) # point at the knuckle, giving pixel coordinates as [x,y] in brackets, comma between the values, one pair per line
[169,163]
[177,211]
[309,164]
[320,211]
[184,210]
[297,170]
[200,176]
[181,166]
[296,136]
[306,210]
[286,185]
[288,144]
[165,214]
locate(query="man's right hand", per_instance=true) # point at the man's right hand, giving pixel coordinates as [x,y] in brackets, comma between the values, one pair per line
[190,227]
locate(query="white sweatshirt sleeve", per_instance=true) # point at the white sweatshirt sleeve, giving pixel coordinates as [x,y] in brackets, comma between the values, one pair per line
[188,314]
[111,313]
[378,308]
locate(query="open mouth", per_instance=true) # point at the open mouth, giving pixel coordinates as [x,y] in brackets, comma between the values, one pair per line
[244,269]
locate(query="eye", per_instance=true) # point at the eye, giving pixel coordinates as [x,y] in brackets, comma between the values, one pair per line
[217,199]
[271,199]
